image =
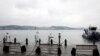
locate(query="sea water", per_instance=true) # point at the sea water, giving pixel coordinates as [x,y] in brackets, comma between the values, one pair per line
[73,37]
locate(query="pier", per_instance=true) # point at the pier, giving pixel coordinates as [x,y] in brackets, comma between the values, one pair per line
[46,49]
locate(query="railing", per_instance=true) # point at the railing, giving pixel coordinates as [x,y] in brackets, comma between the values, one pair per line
[86,47]
[85,50]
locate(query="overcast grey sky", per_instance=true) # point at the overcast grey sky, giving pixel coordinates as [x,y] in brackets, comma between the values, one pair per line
[75,13]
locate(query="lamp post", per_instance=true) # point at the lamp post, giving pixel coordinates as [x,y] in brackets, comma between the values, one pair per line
[59,36]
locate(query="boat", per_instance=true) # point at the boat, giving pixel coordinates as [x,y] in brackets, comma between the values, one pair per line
[91,34]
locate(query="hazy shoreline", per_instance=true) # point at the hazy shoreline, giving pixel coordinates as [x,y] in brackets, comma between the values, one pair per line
[17,27]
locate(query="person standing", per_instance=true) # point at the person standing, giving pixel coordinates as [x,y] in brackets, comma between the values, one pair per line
[7,37]
[49,38]
[36,37]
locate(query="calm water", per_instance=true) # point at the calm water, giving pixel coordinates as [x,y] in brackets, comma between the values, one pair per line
[73,36]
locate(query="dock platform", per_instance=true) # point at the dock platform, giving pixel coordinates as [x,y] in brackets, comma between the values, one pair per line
[46,50]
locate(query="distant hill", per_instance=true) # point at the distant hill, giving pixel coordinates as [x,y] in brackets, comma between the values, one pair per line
[17,27]
[61,27]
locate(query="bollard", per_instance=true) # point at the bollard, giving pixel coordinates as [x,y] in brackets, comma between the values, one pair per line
[95,52]
[6,49]
[26,41]
[65,43]
[51,42]
[23,49]
[14,40]
[4,40]
[73,52]
[38,51]
[59,51]
[39,41]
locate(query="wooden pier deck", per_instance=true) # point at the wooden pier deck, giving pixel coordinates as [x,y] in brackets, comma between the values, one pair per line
[47,50]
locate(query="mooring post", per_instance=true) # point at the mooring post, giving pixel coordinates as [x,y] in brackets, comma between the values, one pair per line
[14,40]
[26,41]
[94,42]
[51,42]
[59,36]
[65,42]
[23,49]
[94,38]
[95,52]
[4,40]
[39,41]
[59,51]
[38,51]
[6,49]
[73,52]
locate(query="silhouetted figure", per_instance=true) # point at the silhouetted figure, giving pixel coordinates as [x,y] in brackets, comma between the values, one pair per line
[51,42]
[14,40]
[23,49]
[59,51]
[73,52]
[26,41]
[39,41]
[4,40]
[95,52]
[65,43]
[38,51]
[6,49]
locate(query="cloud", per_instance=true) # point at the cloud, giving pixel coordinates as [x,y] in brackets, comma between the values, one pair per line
[50,12]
